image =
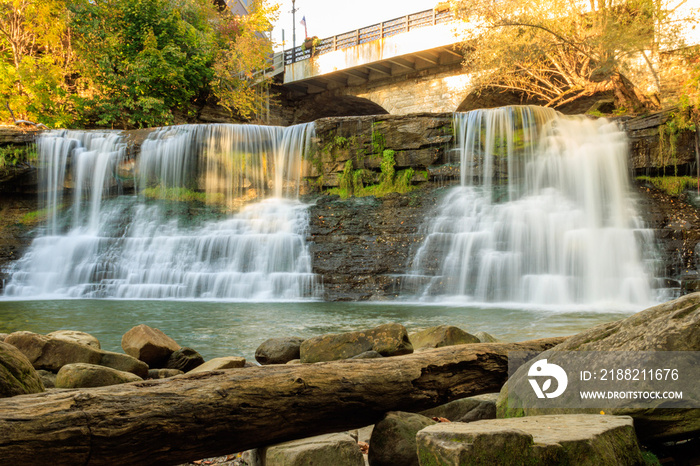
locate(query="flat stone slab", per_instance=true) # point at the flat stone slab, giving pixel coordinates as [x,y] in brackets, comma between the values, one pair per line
[331,449]
[577,439]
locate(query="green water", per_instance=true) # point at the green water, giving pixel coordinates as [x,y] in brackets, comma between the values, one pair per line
[217,329]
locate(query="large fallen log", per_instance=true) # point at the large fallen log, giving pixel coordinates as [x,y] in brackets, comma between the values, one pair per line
[206,414]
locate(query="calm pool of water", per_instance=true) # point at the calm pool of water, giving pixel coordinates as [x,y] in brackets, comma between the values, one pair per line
[217,329]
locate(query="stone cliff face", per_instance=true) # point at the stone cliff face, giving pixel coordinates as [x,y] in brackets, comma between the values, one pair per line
[361,246]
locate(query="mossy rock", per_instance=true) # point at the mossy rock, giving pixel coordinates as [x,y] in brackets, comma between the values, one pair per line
[393,439]
[17,376]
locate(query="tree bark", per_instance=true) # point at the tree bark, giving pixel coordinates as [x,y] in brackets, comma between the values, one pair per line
[214,413]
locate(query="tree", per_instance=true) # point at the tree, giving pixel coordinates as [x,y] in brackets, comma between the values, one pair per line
[142,60]
[557,51]
[35,60]
[243,55]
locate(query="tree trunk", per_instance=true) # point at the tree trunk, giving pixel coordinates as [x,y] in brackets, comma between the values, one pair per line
[213,413]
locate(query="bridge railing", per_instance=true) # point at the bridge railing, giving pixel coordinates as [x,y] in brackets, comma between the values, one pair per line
[370,33]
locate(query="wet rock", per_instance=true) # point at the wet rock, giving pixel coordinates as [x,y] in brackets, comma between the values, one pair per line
[578,439]
[17,376]
[149,345]
[278,350]
[216,364]
[330,449]
[671,326]
[163,373]
[75,336]
[91,375]
[393,440]
[387,340]
[184,359]
[442,335]
[473,408]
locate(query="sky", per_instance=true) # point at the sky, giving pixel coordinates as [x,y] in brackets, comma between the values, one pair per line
[325,18]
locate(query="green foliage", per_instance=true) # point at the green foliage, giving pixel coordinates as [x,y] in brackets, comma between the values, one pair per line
[35,62]
[14,155]
[378,142]
[671,185]
[143,59]
[351,182]
[34,217]
[129,63]
[182,195]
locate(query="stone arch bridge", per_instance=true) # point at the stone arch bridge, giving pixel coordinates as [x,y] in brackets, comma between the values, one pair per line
[406,65]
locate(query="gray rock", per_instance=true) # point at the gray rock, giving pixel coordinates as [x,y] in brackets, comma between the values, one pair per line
[47,378]
[330,449]
[393,440]
[149,345]
[442,335]
[278,350]
[217,364]
[387,340]
[469,409]
[76,336]
[163,373]
[578,439]
[17,376]
[368,355]
[91,375]
[672,326]
[184,359]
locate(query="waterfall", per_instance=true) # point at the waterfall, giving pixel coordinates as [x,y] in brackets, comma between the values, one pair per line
[240,236]
[543,216]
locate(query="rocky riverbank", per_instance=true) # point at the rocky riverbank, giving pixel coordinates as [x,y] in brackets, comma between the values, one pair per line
[321,385]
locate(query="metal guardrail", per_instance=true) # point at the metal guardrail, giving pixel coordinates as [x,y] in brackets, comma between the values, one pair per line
[370,33]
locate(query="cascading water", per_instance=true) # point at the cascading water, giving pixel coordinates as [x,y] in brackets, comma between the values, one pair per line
[147,246]
[543,216]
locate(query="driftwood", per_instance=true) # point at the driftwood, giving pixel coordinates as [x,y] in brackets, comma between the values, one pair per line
[190,417]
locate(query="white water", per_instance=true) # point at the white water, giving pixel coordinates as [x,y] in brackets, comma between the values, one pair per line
[543,217]
[131,246]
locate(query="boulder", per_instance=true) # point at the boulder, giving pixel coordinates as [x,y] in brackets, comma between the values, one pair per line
[163,373]
[48,378]
[473,408]
[124,362]
[76,336]
[387,340]
[393,440]
[184,359]
[3,336]
[51,353]
[330,449]
[217,364]
[91,375]
[278,350]
[576,439]
[149,345]
[17,376]
[671,326]
[486,338]
[442,335]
